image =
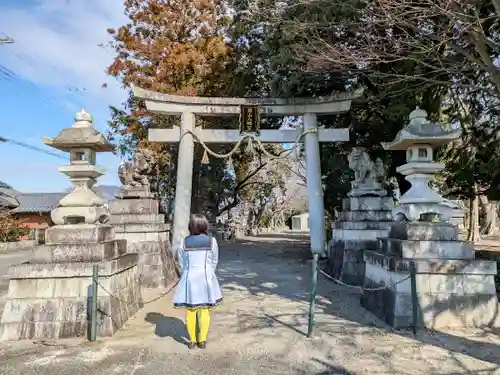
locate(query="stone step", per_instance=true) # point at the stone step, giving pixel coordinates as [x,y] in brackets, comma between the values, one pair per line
[366,216]
[362,225]
[137,219]
[416,249]
[367,204]
[424,231]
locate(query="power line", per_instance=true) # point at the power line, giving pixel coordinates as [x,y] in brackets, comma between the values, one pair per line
[11,76]
[34,148]
[37,149]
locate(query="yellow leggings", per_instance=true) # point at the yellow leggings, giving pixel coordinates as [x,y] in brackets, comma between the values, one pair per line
[203,320]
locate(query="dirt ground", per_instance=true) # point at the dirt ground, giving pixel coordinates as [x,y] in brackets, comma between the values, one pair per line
[260,330]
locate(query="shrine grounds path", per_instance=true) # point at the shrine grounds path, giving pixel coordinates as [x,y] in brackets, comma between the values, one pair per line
[260,330]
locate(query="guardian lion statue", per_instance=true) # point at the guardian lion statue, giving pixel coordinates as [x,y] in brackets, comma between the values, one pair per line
[367,174]
[364,168]
[135,173]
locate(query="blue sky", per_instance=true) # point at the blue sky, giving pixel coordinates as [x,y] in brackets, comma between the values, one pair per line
[57,69]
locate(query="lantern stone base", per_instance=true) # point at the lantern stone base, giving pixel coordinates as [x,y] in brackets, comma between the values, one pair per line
[362,222]
[52,300]
[452,288]
[449,293]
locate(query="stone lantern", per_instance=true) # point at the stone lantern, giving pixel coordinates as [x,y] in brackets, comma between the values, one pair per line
[82,142]
[419,138]
[450,288]
[48,296]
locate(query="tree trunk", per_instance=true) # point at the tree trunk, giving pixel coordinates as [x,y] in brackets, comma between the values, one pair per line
[474,234]
[490,209]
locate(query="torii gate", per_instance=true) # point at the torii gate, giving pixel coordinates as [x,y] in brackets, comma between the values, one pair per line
[188,107]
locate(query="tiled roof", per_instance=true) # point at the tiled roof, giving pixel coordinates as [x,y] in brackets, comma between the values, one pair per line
[38,202]
[3,185]
[7,199]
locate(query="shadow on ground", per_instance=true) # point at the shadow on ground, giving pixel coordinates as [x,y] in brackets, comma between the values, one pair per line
[283,276]
[168,326]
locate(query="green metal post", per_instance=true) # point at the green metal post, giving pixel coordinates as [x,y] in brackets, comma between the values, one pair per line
[312,303]
[414,298]
[93,311]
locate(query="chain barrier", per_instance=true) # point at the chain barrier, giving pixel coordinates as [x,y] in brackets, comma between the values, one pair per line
[360,287]
[161,295]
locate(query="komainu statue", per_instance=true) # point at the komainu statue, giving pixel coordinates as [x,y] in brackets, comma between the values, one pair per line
[367,174]
[135,173]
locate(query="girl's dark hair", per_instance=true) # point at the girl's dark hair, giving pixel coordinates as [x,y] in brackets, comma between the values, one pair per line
[198,224]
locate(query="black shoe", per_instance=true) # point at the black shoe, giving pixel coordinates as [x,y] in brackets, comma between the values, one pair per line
[191,345]
[202,345]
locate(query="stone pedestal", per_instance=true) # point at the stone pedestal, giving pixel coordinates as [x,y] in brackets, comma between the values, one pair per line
[452,289]
[135,218]
[362,221]
[49,297]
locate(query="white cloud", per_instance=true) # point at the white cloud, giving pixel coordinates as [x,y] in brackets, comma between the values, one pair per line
[57,44]
[57,52]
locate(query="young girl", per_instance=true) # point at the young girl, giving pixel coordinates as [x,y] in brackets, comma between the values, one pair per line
[198,289]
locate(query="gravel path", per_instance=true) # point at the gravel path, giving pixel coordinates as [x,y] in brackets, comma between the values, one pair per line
[259,330]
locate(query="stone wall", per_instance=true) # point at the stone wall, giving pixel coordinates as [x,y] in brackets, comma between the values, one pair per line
[449,293]
[51,301]
[10,246]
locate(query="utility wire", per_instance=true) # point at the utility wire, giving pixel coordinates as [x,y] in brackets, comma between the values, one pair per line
[12,76]
[34,148]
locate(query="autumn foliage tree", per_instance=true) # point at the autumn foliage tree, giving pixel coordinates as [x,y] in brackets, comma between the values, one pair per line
[11,228]
[179,47]
[174,47]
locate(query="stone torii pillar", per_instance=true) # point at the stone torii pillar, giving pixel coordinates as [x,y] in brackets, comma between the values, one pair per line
[188,107]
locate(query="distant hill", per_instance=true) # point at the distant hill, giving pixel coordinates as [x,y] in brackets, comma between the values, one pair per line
[106,191]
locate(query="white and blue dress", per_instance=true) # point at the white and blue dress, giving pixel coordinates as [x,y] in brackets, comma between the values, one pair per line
[198,287]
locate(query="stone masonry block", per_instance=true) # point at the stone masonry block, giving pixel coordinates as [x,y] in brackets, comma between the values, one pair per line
[80,252]
[133,206]
[358,234]
[448,307]
[441,310]
[422,231]
[366,216]
[362,225]
[394,263]
[355,244]
[137,218]
[78,233]
[60,317]
[136,237]
[367,204]
[141,228]
[84,269]
[427,249]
